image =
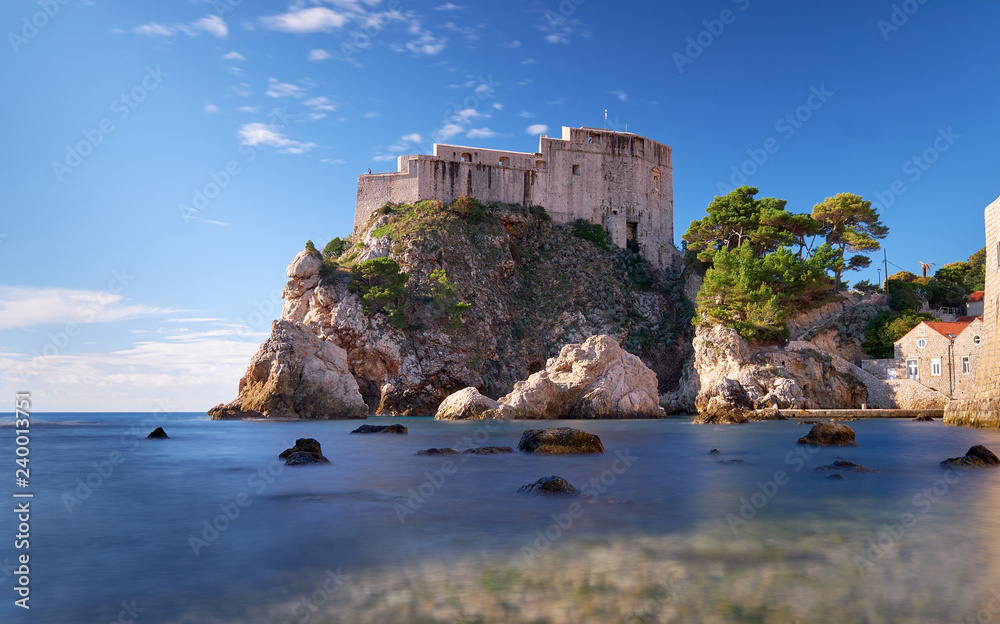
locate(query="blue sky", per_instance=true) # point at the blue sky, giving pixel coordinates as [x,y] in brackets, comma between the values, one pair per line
[122,286]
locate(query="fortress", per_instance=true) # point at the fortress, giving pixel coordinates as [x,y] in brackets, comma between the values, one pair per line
[619,180]
[983,409]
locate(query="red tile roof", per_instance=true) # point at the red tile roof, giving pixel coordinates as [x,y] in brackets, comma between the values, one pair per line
[977,296]
[968,319]
[955,328]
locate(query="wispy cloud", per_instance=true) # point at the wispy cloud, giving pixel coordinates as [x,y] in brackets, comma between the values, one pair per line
[448,6]
[233,56]
[537,129]
[412,138]
[480,133]
[255,134]
[213,25]
[278,89]
[211,108]
[319,55]
[310,20]
[621,95]
[28,306]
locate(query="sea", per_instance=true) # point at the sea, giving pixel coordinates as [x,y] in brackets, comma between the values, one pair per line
[209,526]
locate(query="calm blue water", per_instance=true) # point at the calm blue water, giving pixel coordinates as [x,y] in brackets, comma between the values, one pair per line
[128,539]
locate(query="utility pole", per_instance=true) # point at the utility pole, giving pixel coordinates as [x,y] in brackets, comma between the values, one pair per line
[885,260]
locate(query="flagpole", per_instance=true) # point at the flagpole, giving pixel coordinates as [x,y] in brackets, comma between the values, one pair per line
[605,119]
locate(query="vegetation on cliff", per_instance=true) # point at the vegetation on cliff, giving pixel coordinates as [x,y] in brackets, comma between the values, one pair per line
[491,292]
[764,263]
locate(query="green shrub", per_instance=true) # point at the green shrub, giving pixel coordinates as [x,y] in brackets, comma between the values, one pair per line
[335,248]
[886,328]
[446,298]
[469,208]
[381,287]
[310,246]
[593,232]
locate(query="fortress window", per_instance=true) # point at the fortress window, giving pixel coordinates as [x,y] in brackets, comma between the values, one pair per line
[656,182]
[594,138]
[467,157]
[539,164]
[576,169]
[504,161]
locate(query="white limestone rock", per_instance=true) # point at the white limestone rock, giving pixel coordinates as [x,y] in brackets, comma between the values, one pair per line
[467,404]
[596,379]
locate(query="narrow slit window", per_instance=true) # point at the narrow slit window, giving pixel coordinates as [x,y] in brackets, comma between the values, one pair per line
[576,169]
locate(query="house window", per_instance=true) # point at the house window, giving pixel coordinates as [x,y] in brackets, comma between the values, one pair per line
[576,169]
[936,367]
[921,343]
[467,157]
[912,372]
[504,161]
[976,339]
[965,365]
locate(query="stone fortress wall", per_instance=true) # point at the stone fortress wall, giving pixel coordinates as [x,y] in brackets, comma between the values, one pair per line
[983,409]
[619,180]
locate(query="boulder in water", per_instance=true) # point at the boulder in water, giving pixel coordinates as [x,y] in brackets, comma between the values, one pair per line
[559,441]
[829,434]
[306,451]
[380,429]
[158,434]
[550,485]
[976,457]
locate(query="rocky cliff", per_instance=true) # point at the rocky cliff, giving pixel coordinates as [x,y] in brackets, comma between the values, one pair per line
[531,287]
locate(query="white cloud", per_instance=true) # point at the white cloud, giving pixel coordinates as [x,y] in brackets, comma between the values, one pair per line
[383,157]
[28,306]
[467,114]
[537,129]
[154,29]
[233,56]
[320,104]
[527,115]
[319,55]
[311,20]
[528,61]
[498,105]
[254,134]
[481,133]
[448,131]
[513,44]
[278,89]
[248,109]
[412,138]
[372,115]
[242,90]
[448,6]
[213,25]
[216,223]
[211,108]
[621,95]
[334,161]
[199,319]
[425,42]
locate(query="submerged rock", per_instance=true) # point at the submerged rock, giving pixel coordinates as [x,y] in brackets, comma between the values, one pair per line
[732,462]
[438,451]
[158,433]
[559,441]
[829,434]
[715,452]
[924,418]
[736,417]
[306,451]
[596,379]
[488,450]
[976,457]
[846,466]
[467,404]
[233,410]
[550,485]
[381,429]
[837,477]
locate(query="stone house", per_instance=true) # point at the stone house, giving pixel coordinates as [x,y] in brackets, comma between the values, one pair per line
[942,355]
[619,180]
